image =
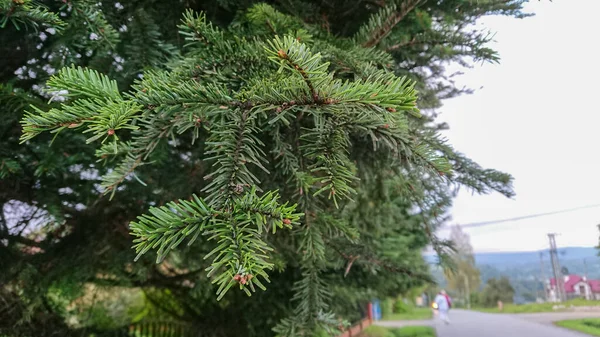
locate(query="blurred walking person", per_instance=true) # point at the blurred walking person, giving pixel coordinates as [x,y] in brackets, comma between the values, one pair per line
[443,305]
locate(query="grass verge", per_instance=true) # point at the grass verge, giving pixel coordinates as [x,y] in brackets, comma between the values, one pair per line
[590,326]
[414,314]
[414,331]
[409,331]
[538,307]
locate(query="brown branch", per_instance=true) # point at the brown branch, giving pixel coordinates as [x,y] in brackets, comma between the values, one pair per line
[413,42]
[22,240]
[137,163]
[402,44]
[391,22]
[270,25]
[283,55]
[350,262]
[387,266]
[325,24]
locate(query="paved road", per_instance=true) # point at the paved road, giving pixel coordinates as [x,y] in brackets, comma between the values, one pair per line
[476,324]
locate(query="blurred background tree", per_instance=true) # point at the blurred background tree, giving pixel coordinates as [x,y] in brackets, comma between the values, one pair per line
[497,290]
[464,278]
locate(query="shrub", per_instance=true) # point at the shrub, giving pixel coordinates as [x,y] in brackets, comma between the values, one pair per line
[387,307]
[400,307]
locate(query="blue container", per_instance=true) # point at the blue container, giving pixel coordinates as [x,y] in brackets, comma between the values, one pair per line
[376,310]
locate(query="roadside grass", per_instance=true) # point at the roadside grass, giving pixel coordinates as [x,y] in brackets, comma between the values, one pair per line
[412,315]
[414,331]
[590,326]
[409,331]
[538,307]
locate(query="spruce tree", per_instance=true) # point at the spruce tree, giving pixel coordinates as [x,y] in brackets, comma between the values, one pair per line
[286,151]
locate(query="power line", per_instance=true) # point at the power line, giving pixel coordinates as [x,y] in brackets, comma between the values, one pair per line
[493,222]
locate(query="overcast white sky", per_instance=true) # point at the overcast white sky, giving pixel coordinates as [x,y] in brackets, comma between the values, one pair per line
[536,117]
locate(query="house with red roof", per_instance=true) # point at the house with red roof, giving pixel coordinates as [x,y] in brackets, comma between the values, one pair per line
[575,287]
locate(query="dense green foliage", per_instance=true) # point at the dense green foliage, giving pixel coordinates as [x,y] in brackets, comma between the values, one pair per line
[281,144]
[496,290]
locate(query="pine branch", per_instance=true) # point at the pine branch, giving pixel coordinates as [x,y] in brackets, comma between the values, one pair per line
[170,109]
[233,146]
[381,24]
[338,227]
[9,167]
[26,13]
[312,295]
[198,31]
[468,173]
[152,130]
[290,54]
[311,291]
[311,245]
[443,248]
[15,100]
[110,117]
[87,18]
[287,163]
[361,254]
[161,88]
[400,45]
[147,46]
[97,104]
[327,145]
[126,167]
[380,88]
[348,58]
[84,83]
[241,254]
[113,150]
[262,16]
[269,214]
[426,156]
[241,248]
[457,42]
[55,120]
[169,225]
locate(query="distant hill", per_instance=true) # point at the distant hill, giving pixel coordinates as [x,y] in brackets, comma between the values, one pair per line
[504,260]
[513,259]
[524,269]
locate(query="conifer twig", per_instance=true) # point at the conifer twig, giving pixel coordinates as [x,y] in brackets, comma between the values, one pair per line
[391,22]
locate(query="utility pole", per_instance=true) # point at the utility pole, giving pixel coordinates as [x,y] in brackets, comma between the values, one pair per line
[560,286]
[543,277]
[585,268]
